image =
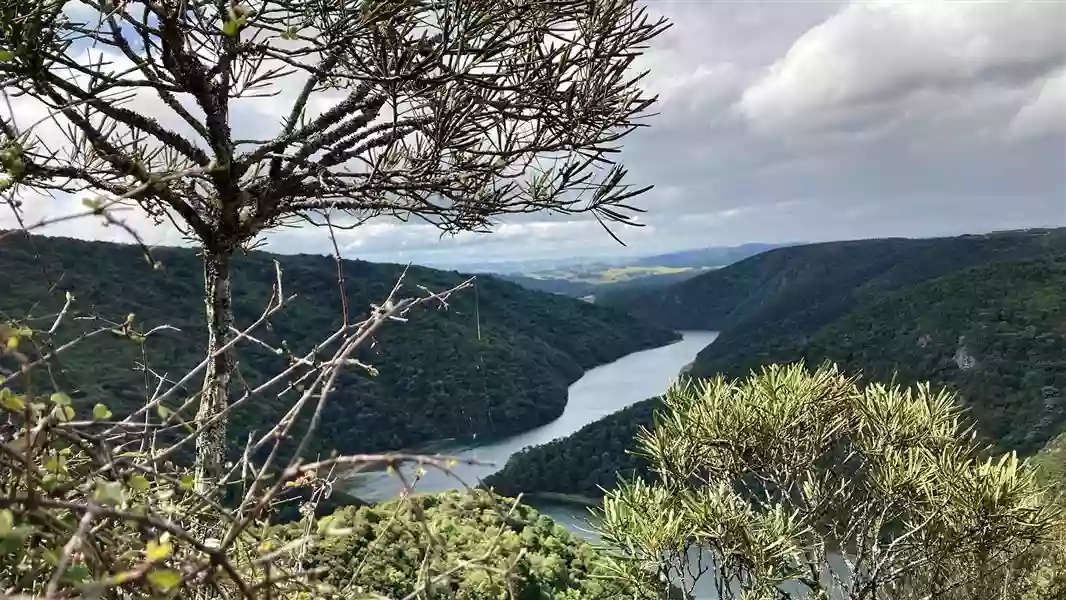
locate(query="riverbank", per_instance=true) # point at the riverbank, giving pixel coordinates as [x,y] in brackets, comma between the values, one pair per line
[601,391]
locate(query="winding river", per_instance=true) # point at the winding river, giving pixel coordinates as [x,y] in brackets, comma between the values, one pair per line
[600,392]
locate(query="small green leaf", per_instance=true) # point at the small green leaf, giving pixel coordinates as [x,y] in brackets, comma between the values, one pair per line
[157,551]
[77,574]
[230,27]
[139,483]
[60,399]
[11,402]
[64,413]
[6,55]
[162,411]
[187,482]
[55,463]
[164,580]
[101,412]
[12,342]
[108,493]
[7,522]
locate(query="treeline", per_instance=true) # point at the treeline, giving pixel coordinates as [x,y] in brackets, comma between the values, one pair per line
[980,315]
[495,361]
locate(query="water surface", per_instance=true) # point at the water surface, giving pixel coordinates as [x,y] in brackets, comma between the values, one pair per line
[600,392]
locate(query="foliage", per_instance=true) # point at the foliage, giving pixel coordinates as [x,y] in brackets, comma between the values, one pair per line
[996,334]
[86,511]
[792,478]
[524,555]
[496,362]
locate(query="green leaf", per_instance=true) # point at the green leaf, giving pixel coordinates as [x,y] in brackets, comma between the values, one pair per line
[11,402]
[12,342]
[6,55]
[77,574]
[230,27]
[187,482]
[139,483]
[101,412]
[60,399]
[157,551]
[162,411]
[109,493]
[7,522]
[55,463]
[64,413]
[164,580]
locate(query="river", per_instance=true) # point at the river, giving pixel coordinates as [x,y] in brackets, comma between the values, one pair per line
[600,392]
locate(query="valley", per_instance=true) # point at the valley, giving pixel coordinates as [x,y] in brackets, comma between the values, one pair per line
[980,315]
[601,280]
[544,394]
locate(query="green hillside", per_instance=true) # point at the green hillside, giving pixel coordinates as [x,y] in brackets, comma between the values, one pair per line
[438,377]
[996,334]
[805,287]
[927,309]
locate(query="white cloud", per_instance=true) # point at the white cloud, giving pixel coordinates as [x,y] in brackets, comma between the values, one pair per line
[869,59]
[1046,113]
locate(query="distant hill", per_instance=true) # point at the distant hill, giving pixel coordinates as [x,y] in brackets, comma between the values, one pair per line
[498,361]
[602,279]
[983,315]
[716,256]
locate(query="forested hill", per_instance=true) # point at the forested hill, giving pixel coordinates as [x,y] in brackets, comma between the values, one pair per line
[995,332]
[498,361]
[804,287]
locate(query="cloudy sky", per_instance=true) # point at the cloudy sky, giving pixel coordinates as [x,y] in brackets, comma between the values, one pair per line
[803,121]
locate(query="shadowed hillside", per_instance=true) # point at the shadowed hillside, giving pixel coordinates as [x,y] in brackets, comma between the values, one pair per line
[497,360]
[982,315]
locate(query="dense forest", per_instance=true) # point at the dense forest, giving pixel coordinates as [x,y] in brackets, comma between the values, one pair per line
[496,361]
[535,557]
[801,288]
[993,332]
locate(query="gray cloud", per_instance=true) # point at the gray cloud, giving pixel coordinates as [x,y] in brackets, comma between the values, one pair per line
[789,121]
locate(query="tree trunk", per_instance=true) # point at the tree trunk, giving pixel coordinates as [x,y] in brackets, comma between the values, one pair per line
[211,442]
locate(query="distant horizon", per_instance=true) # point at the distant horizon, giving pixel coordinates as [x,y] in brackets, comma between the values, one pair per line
[572,260]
